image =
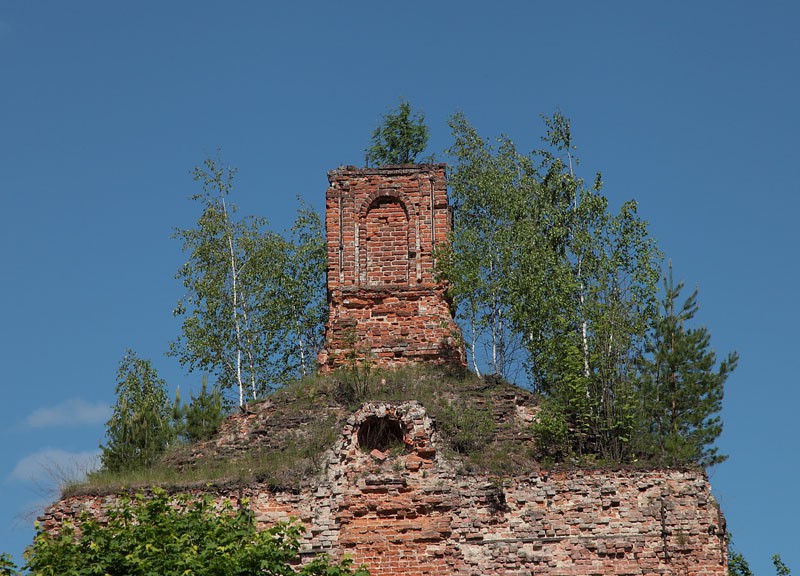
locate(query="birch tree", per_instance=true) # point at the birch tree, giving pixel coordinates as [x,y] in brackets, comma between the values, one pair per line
[251,311]
[602,278]
[537,259]
[490,188]
[304,291]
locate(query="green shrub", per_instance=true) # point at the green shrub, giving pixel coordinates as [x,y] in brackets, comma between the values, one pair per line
[551,433]
[175,535]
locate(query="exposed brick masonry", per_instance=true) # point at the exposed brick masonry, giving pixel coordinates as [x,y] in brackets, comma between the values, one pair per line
[383,225]
[386,495]
[413,512]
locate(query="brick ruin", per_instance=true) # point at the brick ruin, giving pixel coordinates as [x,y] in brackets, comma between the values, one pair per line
[385,493]
[385,302]
[413,511]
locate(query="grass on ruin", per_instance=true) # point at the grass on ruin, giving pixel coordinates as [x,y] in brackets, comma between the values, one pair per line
[458,401]
[280,470]
[285,469]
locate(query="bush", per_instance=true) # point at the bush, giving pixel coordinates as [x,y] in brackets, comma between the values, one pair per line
[175,536]
[551,433]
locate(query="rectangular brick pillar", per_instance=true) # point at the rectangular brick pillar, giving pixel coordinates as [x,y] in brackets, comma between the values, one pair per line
[383,225]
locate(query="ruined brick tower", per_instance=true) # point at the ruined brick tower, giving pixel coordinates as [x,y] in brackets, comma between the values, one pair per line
[382,226]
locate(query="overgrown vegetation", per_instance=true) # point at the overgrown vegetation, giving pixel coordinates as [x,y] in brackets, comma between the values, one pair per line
[254,307]
[475,417]
[355,379]
[545,277]
[290,460]
[174,535]
[145,424]
[141,426]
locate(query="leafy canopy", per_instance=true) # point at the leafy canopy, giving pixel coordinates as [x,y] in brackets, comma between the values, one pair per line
[548,280]
[254,307]
[175,535]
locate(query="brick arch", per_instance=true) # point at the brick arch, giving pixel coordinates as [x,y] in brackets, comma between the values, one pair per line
[369,200]
[386,238]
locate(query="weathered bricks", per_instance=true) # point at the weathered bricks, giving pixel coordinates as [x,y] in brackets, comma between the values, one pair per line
[386,304]
[415,512]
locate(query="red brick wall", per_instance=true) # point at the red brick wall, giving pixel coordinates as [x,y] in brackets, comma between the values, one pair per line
[383,225]
[416,513]
[387,249]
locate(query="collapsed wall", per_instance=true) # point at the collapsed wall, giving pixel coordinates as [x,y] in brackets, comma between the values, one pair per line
[388,497]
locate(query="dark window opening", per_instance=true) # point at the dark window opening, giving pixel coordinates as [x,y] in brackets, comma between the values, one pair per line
[381,433]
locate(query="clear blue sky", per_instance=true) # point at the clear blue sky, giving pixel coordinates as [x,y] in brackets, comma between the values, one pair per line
[689,107]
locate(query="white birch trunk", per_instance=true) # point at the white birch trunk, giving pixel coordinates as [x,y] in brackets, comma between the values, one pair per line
[235,312]
[472,346]
[301,346]
[584,326]
[249,347]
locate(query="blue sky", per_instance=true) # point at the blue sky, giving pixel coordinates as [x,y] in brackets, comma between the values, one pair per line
[688,107]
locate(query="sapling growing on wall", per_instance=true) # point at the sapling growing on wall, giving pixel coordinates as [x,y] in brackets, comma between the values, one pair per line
[399,139]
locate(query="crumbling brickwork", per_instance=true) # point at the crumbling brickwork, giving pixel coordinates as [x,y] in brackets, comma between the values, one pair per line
[383,225]
[388,497]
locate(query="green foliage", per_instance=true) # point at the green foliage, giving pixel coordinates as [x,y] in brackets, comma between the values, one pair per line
[255,300]
[200,419]
[780,567]
[303,293]
[537,261]
[140,428]
[7,566]
[490,191]
[355,377]
[682,385]
[737,565]
[399,139]
[308,413]
[175,536]
[551,433]
[603,270]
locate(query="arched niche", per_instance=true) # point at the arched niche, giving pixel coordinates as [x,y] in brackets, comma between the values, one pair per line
[385,238]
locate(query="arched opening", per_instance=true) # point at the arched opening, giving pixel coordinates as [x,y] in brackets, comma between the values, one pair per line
[386,242]
[381,433]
